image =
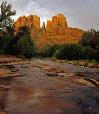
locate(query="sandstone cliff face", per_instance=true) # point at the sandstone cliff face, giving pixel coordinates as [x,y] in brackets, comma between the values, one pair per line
[32,21]
[58,32]
[59,20]
[55,32]
[22,21]
[57,25]
[71,35]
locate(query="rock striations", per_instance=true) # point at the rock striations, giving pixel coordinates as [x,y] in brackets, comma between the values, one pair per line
[56,31]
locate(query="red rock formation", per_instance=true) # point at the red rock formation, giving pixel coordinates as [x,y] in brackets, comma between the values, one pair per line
[71,35]
[58,22]
[32,21]
[22,21]
[55,32]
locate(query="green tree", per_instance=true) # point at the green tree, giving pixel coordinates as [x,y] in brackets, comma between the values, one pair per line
[49,51]
[90,38]
[97,53]
[25,46]
[89,53]
[5,16]
[5,44]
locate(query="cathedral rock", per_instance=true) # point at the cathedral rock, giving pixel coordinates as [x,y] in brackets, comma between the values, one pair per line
[56,31]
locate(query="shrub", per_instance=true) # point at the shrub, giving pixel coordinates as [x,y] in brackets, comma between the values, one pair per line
[69,51]
[97,53]
[89,52]
[5,44]
[49,51]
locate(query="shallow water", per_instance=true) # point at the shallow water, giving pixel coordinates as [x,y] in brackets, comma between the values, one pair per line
[38,93]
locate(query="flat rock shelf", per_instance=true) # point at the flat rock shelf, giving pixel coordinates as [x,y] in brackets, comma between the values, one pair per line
[48,87]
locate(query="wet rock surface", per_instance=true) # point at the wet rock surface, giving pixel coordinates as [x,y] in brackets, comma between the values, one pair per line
[31,89]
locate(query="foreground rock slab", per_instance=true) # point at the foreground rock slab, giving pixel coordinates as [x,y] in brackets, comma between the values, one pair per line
[38,93]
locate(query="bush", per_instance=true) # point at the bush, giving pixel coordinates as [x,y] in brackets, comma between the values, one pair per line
[97,53]
[89,53]
[69,51]
[5,44]
[49,51]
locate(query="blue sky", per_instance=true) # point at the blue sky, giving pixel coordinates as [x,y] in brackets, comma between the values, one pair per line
[83,14]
